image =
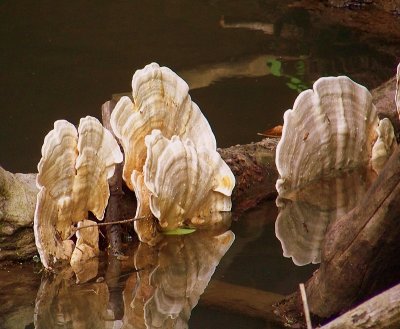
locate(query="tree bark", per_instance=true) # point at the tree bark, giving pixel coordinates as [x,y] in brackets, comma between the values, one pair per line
[375,21]
[114,232]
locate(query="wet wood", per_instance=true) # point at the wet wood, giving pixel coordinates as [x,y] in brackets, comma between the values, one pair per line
[243,300]
[254,168]
[380,312]
[360,253]
[384,100]
[114,232]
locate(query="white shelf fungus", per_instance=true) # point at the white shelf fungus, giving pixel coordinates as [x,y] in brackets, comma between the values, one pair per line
[384,145]
[72,179]
[161,101]
[331,135]
[185,182]
[330,128]
[171,160]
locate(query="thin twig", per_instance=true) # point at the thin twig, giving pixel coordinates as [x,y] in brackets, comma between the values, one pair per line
[104,224]
[305,305]
[112,223]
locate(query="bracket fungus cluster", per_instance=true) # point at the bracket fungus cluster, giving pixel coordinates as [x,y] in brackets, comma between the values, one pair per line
[171,161]
[331,130]
[72,180]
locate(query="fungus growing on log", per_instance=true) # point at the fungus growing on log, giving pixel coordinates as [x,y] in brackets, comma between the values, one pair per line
[185,182]
[72,179]
[171,160]
[384,145]
[86,248]
[331,128]
[161,101]
[332,133]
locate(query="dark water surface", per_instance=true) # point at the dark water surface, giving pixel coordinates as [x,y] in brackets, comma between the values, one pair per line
[120,289]
[245,62]
[63,61]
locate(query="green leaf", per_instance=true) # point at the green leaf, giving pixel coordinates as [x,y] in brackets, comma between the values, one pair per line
[295,80]
[300,68]
[179,231]
[291,86]
[275,67]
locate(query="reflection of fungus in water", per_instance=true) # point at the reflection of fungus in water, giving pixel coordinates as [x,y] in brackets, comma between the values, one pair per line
[162,288]
[331,130]
[61,303]
[171,160]
[304,218]
[171,283]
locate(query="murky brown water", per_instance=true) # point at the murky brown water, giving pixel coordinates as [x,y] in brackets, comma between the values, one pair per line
[156,282]
[64,61]
[245,63]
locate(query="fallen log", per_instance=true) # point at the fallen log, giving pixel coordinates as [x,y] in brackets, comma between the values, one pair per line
[253,166]
[351,262]
[380,312]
